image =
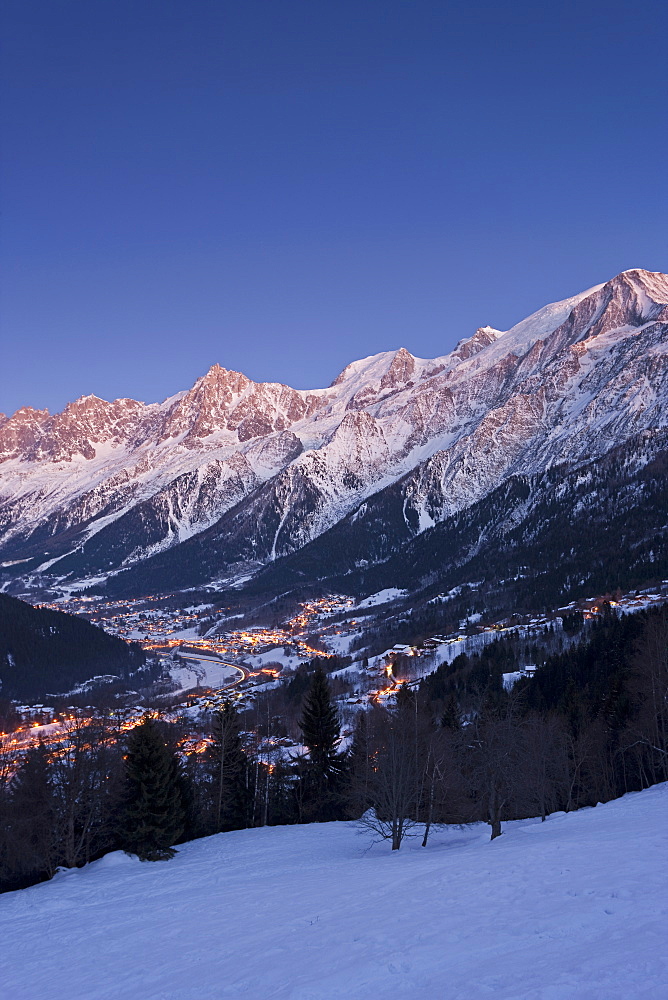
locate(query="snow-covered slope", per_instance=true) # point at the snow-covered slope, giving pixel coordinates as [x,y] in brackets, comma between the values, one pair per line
[264,469]
[570,909]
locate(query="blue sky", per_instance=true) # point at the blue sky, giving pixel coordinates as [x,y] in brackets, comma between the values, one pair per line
[281,187]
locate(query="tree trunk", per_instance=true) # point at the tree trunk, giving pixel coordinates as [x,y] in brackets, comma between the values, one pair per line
[427,828]
[221,785]
[495,814]
[265,813]
[430,813]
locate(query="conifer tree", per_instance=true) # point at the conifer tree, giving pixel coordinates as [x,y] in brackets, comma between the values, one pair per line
[228,771]
[405,698]
[321,733]
[153,815]
[33,848]
[320,725]
[451,718]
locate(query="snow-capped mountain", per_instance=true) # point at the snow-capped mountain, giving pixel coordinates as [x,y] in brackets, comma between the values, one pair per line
[222,479]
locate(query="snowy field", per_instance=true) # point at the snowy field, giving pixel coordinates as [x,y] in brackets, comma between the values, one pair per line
[572,909]
[382,597]
[275,655]
[206,671]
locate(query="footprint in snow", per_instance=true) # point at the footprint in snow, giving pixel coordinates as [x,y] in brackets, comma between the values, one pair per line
[398,967]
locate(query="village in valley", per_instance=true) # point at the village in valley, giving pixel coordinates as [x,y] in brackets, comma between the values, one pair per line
[204,662]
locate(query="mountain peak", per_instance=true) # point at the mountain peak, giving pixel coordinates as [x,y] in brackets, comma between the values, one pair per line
[400,370]
[651,283]
[482,338]
[644,273]
[89,402]
[29,413]
[257,458]
[221,382]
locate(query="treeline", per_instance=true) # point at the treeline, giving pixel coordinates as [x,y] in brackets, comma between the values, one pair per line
[591,725]
[156,785]
[44,651]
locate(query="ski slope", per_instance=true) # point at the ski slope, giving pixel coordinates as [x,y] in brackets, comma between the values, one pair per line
[572,909]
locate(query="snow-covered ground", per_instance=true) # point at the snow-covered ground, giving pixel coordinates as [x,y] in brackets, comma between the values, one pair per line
[382,597]
[257,661]
[571,909]
[205,671]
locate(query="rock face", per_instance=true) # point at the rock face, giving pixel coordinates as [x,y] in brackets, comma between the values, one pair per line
[222,479]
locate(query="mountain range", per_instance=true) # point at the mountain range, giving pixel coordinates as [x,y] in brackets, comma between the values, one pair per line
[403,470]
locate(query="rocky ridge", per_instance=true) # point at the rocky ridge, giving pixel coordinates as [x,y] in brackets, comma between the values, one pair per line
[252,472]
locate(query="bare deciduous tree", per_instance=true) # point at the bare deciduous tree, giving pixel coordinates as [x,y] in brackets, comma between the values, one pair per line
[493,761]
[394,780]
[545,762]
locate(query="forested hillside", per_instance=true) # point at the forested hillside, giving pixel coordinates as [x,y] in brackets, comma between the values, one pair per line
[43,651]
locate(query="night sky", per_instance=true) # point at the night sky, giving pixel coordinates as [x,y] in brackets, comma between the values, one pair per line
[284,186]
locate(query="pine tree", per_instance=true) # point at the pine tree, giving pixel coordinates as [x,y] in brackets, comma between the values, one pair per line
[321,776]
[32,848]
[320,725]
[451,718]
[228,771]
[153,815]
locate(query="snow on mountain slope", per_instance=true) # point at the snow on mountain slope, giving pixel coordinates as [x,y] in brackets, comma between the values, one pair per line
[571,908]
[521,336]
[268,468]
